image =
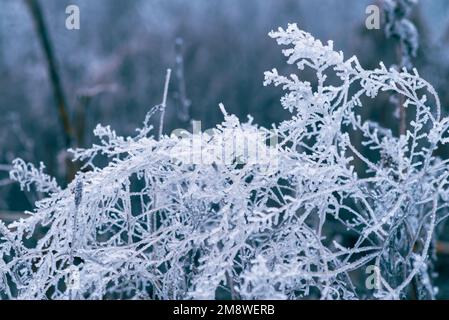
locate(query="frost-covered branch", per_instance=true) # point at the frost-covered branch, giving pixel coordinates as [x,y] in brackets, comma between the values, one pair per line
[186,217]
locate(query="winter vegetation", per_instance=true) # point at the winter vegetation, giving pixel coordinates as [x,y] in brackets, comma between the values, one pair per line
[228,213]
[337,191]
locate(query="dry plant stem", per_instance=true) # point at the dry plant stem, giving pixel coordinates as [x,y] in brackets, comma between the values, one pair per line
[230,282]
[402,113]
[161,129]
[402,116]
[78,191]
[55,79]
[72,245]
[80,119]
[56,83]
[164,103]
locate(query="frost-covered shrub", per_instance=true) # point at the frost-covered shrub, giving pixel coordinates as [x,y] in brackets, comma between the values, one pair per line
[296,220]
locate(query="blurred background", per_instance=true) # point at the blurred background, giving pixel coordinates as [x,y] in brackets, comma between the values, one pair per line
[57,84]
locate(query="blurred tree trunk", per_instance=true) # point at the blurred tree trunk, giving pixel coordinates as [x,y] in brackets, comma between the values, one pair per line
[55,79]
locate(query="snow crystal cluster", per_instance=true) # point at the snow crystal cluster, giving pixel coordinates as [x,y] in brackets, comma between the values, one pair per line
[305,223]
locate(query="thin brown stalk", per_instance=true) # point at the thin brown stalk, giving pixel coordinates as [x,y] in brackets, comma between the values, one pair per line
[164,103]
[58,92]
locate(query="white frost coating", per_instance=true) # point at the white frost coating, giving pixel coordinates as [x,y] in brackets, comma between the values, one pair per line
[151,225]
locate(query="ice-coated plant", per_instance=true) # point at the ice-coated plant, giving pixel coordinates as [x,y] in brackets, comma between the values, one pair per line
[337,194]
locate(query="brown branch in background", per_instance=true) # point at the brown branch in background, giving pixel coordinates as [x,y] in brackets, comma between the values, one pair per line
[401,101]
[402,116]
[85,97]
[231,284]
[103,70]
[80,119]
[39,23]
